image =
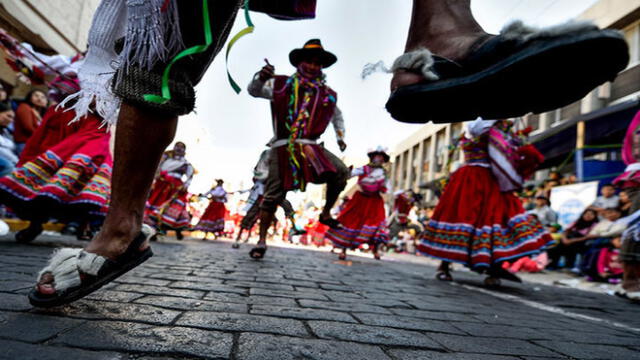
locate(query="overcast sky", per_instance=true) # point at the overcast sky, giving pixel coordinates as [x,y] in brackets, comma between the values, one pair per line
[228,131]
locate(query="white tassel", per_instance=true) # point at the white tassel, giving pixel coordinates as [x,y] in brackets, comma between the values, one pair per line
[517,30]
[420,60]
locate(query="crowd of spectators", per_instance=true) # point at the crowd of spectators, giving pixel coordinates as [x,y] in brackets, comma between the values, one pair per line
[590,245]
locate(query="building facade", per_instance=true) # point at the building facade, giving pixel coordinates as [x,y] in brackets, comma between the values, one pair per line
[51,27]
[423,157]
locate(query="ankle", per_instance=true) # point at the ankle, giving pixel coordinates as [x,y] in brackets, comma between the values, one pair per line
[453,47]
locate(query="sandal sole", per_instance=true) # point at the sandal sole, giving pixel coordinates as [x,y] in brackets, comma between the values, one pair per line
[537,79]
[72,296]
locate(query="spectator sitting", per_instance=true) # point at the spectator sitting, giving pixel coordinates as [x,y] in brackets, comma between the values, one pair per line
[607,229]
[569,179]
[604,240]
[607,200]
[8,158]
[625,203]
[28,117]
[543,212]
[572,241]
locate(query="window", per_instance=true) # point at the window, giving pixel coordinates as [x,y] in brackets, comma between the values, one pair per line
[533,121]
[441,149]
[426,159]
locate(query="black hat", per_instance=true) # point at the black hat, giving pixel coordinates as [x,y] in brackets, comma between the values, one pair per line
[312,48]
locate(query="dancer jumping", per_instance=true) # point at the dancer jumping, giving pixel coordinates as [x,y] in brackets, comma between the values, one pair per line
[302,106]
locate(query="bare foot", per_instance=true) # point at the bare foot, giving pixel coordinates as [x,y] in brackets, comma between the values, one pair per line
[455,48]
[111,242]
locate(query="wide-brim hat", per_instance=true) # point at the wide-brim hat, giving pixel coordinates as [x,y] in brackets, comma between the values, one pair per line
[379,151]
[312,48]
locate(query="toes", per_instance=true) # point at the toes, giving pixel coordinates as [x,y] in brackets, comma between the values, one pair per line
[403,78]
[45,284]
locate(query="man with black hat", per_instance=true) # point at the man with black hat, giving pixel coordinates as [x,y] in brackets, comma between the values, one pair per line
[302,106]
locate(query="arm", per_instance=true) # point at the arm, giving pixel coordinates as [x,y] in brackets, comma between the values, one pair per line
[338,125]
[25,116]
[262,83]
[357,171]
[189,174]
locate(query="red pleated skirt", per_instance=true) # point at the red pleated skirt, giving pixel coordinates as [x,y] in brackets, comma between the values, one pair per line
[363,220]
[477,225]
[213,218]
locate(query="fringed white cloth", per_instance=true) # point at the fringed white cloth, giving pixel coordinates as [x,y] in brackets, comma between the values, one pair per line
[420,61]
[150,33]
[66,264]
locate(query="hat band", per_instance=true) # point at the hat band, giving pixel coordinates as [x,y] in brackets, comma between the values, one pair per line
[312,46]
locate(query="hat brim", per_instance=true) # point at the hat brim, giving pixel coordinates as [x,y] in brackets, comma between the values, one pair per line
[384,154]
[327,59]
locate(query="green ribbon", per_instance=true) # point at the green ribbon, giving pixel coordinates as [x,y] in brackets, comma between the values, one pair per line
[208,37]
[234,39]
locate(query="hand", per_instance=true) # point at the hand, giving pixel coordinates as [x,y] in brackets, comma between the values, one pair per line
[266,72]
[342,145]
[6,118]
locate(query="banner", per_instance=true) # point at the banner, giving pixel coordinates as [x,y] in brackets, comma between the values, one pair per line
[569,201]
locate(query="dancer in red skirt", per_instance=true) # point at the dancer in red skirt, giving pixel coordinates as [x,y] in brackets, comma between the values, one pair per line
[64,171]
[479,222]
[212,221]
[167,204]
[363,217]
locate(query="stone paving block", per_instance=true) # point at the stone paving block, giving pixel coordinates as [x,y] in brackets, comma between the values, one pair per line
[16,285]
[261,346]
[400,354]
[288,294]
[378,302]
[544,321]
[14,350]
[350,307]
[33,328]
[507,331]
[242,322]
[496,345]
[157,290]
[588,351]
[194,278]
[208,287]
[371,334]
[408,323]
[116,296]
[260,285]
[14,302]
[301,313]
[177,303]
[435,315]
[595,337]
[89,309]
[142,281]
[271,300]
[122,336]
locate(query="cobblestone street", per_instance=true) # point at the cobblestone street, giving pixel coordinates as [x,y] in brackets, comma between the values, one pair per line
[196,300]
